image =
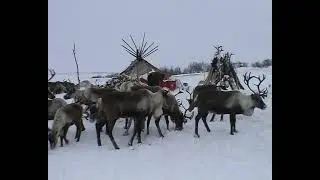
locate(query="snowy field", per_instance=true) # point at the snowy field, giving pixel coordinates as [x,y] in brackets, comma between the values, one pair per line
[214,156]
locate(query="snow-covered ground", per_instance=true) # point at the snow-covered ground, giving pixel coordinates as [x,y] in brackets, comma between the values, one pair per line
[214,156]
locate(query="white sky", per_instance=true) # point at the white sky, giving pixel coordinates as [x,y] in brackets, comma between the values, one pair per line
[185,31]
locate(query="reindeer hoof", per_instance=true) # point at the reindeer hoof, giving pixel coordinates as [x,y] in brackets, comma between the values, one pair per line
[162,136]
[196,135]
[236,131]
[67,141]
[231,133]
[83,129]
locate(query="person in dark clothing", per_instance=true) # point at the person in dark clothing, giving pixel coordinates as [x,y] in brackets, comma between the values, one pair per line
[154,78]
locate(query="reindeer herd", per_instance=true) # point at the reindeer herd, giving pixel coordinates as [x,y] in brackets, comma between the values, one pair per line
[136,101]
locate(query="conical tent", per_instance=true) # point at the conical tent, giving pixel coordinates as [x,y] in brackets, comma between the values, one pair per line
[222,70]
[139,66]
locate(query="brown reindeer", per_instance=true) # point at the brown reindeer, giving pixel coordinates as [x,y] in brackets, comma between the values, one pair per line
[137,104]
[199,88]
[228,102]
[172,110]
[64,118]
[89,97]
[54,105]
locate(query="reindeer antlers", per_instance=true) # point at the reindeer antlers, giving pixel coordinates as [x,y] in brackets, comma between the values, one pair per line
[178,93]
[52,73]
[190,94]
[263,93]
[185,110]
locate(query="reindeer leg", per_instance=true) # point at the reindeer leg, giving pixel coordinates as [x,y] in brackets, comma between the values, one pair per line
[79,127]
[143,124]
[98,130]
[158,127]
[140,123]
[128,124]
[148,123]
[106,132]
[61,141]
[167,121]
[221,118]
[110,128]
[212,118]
[232,123]
[197,118]
[82,126]
[102,128]
[61,135]
[135,129]
[204,119]
[77,132]
[65,131]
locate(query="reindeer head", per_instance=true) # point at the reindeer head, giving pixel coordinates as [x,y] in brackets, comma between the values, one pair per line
[51,138]
[174,111]
[257,96]
[184,115]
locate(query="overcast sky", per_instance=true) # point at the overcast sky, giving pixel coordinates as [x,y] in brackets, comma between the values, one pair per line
[185,31]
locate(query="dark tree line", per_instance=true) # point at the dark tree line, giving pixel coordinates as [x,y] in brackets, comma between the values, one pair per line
[263,64]
[197,67]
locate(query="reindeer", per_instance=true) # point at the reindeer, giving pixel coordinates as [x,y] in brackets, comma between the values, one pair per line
[64,118]
[198,88]
[85,84]
[172,110]
[126,87]
[54,105]
[228,102]
[137,104]
[52,74]
[89,97]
